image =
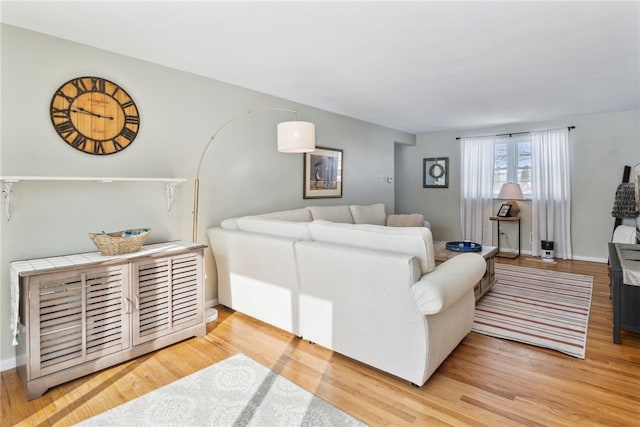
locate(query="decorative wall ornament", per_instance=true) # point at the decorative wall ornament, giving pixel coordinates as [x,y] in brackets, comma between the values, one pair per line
[624,203]
[94,115]
[636,181]
[7,190]
[435,172]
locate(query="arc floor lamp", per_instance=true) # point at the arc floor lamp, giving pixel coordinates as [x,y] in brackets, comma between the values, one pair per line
[293,137]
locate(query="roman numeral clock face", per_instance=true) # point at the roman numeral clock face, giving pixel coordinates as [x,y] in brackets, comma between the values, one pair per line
[94,115]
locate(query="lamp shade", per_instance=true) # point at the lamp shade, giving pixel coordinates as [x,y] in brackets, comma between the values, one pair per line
[296,137]
[511,191]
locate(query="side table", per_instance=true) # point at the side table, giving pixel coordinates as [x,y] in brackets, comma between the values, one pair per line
[498,219]
[441,254]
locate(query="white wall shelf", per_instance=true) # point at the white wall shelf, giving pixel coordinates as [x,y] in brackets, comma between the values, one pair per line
[8,181]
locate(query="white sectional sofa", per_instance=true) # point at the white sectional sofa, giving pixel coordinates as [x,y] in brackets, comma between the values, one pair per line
[339,277]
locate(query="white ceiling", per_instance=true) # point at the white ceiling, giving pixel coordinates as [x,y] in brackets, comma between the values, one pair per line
[412,66]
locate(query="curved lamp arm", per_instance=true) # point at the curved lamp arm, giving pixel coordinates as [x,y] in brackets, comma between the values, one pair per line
[305,141]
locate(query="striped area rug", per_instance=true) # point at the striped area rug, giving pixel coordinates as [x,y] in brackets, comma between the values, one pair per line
[540,307]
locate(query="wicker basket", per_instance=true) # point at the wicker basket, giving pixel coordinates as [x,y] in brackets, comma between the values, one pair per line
[120,242]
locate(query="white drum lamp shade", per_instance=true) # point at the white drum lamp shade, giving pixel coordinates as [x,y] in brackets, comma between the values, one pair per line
[293,137]
[296,137]
[511,192]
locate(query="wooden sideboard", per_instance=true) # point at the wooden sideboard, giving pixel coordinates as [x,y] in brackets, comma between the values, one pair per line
[85,312]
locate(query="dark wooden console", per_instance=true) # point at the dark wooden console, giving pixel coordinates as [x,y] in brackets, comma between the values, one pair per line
[625,298]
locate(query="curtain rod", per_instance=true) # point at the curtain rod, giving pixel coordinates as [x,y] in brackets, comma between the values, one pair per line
[509,134]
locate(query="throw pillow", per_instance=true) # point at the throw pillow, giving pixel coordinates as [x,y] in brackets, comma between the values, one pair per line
[372,214]
[405,220]
[338,213]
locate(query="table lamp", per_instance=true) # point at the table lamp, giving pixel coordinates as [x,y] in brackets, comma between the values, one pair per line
[511,192]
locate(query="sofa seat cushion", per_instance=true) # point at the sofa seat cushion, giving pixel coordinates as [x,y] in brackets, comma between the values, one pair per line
[274,227]
[338,213]
[371,214]
[416,241]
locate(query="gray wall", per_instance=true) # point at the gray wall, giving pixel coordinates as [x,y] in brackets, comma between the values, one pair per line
[601,145]
[242,173]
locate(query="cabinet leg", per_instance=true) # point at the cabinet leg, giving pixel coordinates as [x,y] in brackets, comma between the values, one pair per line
[34,392]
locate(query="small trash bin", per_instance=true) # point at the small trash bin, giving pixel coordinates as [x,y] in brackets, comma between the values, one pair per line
[547,250]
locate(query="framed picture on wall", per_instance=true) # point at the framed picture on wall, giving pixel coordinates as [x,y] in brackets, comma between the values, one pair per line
[435,172]
[504,210]
[322,173]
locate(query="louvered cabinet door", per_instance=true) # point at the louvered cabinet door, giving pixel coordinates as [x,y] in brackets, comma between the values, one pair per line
[78,316]
[167,295]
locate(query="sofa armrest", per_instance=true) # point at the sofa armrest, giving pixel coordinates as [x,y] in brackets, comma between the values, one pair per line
[445,285]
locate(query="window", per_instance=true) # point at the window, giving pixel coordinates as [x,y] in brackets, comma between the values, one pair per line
[512,163]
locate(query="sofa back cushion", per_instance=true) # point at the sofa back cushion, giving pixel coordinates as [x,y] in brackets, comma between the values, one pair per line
[416,241]
[297,215]
[371,214]
[339,213]
[229,224]
[274,227]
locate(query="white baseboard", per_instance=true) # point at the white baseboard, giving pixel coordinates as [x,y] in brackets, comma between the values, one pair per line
[6,364]
[591,259]
[575,257]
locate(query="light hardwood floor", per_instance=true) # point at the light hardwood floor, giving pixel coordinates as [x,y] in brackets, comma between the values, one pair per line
[485,381]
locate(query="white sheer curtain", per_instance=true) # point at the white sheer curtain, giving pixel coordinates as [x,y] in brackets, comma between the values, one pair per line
[476,204]
[551,191]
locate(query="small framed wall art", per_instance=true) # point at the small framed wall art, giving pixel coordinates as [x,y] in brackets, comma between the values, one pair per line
[323,173]
[435,172]
[504,210]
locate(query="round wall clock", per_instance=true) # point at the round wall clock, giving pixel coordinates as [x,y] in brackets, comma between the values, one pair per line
[94,115]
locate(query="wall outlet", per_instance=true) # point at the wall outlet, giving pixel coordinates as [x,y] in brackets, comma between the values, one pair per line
[390,179]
